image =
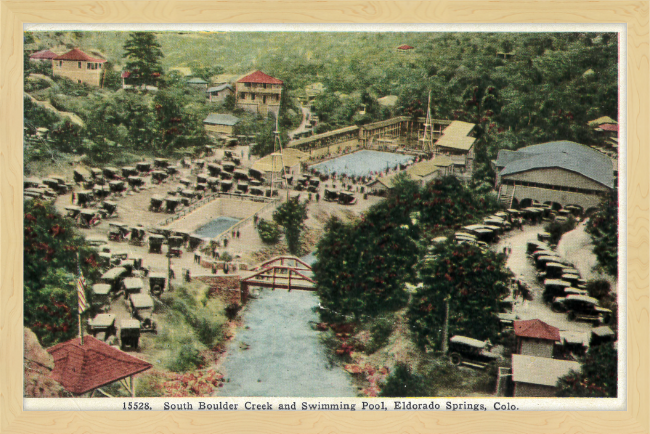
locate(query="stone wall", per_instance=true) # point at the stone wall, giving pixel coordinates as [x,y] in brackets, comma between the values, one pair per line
[226,287]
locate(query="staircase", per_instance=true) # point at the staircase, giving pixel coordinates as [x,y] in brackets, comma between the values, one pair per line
[506,194]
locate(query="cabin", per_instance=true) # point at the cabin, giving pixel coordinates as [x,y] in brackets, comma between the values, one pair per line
[259,93]
[538,376]
[219,93]
[79,67]
[220,124]
[457,142]
[536,338]
[197,83]
[562,172]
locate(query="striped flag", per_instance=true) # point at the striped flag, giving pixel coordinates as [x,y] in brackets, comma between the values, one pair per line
[81,291]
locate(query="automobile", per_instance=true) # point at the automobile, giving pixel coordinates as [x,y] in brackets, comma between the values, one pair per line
[104,260]
[102,327]
[532,246]
[240,174]
[132,285]
[81,175]
[101,296]
[330,195]
[171,203]
[161,162]
[143,167]
[346,198]
[114,277]
[110,208]
[73,211]
[229,166]
[227,176]
[135,181]
[155,243]
[601,335]
[88,218]
[141,307]
[96,241]
[582,308]
[257,191]
[175,244]
[110,173]
[172,170]
[129,334]
[138,234]
[159,176]
[186,182]
[543,236]
[84,198]
[117,231]
[470,352]
[226,185]
[117,186]
[157,283]
[555,288]
[214,169]
[506,320]
[242,186]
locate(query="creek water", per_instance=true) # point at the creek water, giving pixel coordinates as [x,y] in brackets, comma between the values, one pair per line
[278,354]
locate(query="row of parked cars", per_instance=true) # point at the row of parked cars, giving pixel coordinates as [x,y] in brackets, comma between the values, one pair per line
[564,288]
[45,189]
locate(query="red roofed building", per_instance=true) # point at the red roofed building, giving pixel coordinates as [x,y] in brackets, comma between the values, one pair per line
[609,127]
[78,66]
[84,368]
[43,56]
[536,338]
[259,93]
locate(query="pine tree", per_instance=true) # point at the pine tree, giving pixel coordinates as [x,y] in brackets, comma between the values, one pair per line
[143,54]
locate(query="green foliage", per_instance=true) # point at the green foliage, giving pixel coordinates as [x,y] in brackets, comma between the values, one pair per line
[226,257]
[187,358]
[50,295]
[598,377]
[471,281]
[603,228]
[269,231]
[206,72]
[402,383]
[291,215]
[143,55]
[599,288]
[557,229]
[380,331]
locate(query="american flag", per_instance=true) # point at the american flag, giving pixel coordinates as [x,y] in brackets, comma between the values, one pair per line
[81,291]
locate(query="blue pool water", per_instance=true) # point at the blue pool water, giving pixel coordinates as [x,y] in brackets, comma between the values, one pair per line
[362,163]
[216,227]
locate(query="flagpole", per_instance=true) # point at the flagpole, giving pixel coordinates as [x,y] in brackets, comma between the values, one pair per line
[81,334]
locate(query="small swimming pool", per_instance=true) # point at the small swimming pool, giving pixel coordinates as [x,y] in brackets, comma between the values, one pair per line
[216,227]
[362,163]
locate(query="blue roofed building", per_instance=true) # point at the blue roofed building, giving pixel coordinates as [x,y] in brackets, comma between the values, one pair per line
[562,172]
[220,124]
[219,93]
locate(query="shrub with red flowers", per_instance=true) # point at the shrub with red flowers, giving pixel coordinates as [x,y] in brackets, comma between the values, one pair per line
[49,291]
[597,378]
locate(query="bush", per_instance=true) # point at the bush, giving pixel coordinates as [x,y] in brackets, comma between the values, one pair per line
[557,229]
[404,383]
[232,310]
[380,331]
[186,358]
[269,231]
[598,288]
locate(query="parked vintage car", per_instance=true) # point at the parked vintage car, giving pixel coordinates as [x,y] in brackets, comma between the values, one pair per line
[141,307]
[582,308]
[129,334]
[470,352]
[102,327]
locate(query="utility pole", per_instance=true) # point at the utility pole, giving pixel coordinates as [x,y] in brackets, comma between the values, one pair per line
[445,329]
[169,272]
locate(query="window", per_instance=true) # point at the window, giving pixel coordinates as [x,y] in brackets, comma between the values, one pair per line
[264,98]
[79,64]
[264,85]
[242,95]
[247,84]
[253,96]
[60,63]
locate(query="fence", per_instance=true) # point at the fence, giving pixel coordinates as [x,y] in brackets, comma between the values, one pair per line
[209,198]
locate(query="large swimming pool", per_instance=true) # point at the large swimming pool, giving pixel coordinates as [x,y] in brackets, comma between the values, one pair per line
[362,163]
[216,227]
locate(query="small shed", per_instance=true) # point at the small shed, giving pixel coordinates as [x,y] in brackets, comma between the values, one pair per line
[537,376]
[536,338]
[220,124]
[219,93]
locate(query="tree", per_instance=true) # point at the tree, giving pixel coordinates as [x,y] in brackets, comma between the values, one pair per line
[471,281]
[603,228]
[143,54]
[50,295]
[268,230]
[291,215]
[598,377]
[403,383]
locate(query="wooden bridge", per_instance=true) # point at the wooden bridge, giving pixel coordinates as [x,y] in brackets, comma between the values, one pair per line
[283,272]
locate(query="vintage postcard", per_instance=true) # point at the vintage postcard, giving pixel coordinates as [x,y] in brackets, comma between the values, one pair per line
[228,219]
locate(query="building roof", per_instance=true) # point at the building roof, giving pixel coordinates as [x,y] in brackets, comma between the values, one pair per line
[43,54]
[295,153]
[219,88]
[273,162]
[81,368]
[456,136]
[323,135]
[537,329]
[601,120]
[405,47]
[259,77]
[540,370]
[77,54]
[609,127]
[221,119]
[196,80]
[126,74]
[565,155]
[423,168]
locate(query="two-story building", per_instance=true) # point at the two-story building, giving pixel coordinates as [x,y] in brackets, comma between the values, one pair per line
[457,141]
[259,93]
[79,67]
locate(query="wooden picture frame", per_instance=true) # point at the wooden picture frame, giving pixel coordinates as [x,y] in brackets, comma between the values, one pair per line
[634,14]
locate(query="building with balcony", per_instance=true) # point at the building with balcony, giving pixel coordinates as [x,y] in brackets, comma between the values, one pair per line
[259,93]
[79,67]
